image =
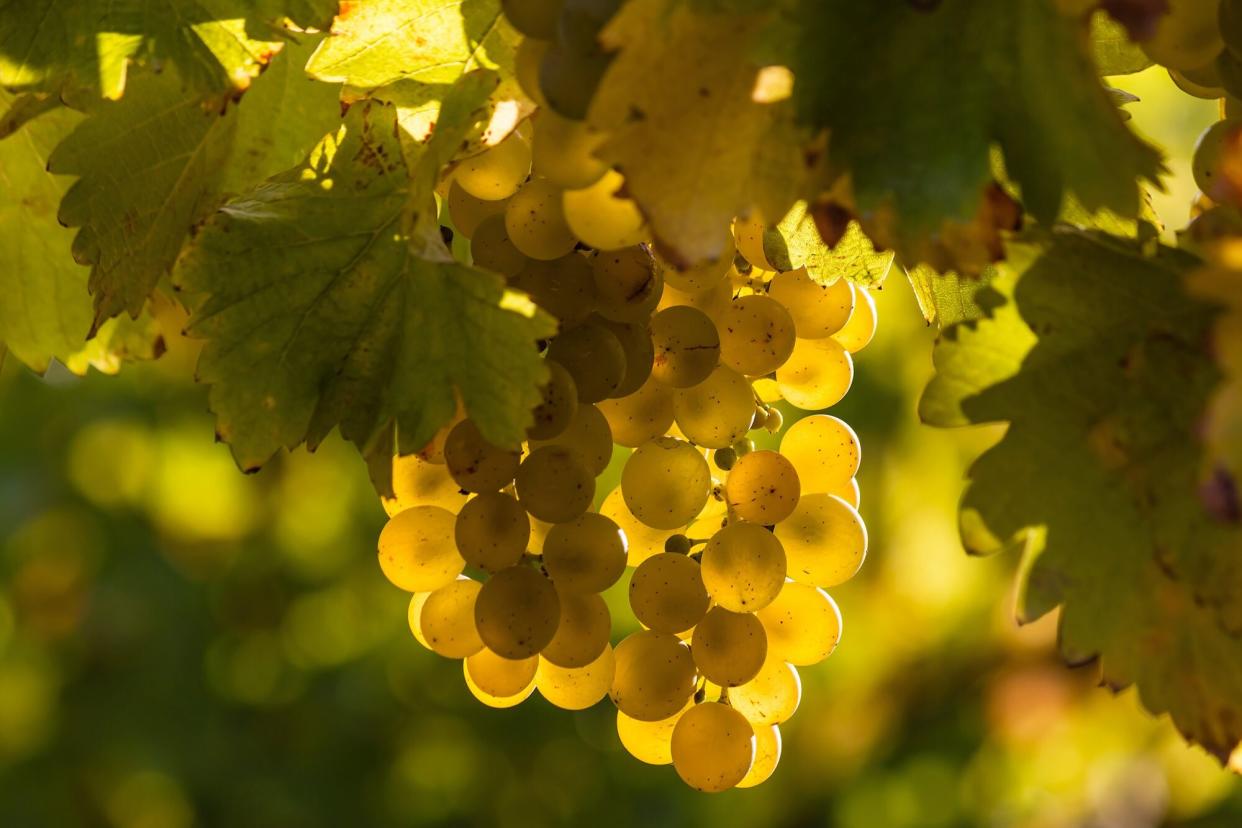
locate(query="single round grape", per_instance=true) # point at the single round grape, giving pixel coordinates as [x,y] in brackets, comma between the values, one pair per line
[1207,91]
[772,696]
[803,625]
[767,755]
[477,465]
[489,699]
[563,151]
[417,482]
[583,632]
[527,58]
[667,593]
[601,218]
[818,374]
[553,485]
[824,450]
[641,540]
[447,619]
[677,544]
[627,283]
[729,647]
[666,483]
[858,332]
[717,411]
[724,458]
[1187,36]
[825,540]
[492,531]
[587,554]
[775,420]
[468,212]
[713,747]
[492,249]
[497,172]
[756,335]
[748,236]
[686,344]
[416,549]
[533,18]
[1210,149]
[558,406]
[576,688]
[639,353]
[535,223]
[587,436]
[817,310]
[562,287]
[641,416]
[763,487]
[517,612]
[650,742]
[713,302]
[414,617]
[501,677]
[593,357]
[743,567]
[703,276]
[654,676]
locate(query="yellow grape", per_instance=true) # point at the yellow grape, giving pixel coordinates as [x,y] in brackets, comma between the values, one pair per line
[713,747]
[576,688]
[641,540]
[535,223]
[498,677]
[563,151]
[587,554]
[583,632]
[717,411]
[817,310]
[756,335]
[803,625]
[743,567]
[825,541]
[639,353]
[587,436]
[686,344]
[667,593]
[593,357]
[553,485]
[860,329]
[468,212]
[713,301]
[414,617]
[729,647]
[772,696]
[526,61]
[748,236]
[492,249]
[601,218]
[703,276]
[492,531]
[849,492]
[640,416]
[477,465]
[447,619]
[817,375]
[628,284]
[562,287]
[767,390]
[416,549]
[824,450]
[650,742]
[558,405]
[763,487]
[666,483]
[1212,146]
[654,676]
[767,755]
[495,173]
[517,612]
[417,482]
[1187,37]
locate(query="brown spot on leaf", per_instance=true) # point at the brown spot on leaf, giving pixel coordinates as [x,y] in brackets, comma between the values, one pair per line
[1139,17]
[831,220]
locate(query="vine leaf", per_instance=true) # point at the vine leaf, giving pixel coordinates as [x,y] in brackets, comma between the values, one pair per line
[796,242]
[1094,354]
[317,311]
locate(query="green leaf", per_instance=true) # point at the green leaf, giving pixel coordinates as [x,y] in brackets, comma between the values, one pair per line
[795,242]
[318,313]
[1095,356]
[1115,53]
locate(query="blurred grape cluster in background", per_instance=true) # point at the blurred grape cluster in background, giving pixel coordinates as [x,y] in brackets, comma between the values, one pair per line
[182,645]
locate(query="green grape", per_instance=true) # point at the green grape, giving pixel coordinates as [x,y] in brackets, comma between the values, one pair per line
[447,619]
[487,698]
[491,248]
[587,554]
[499,677]
[641,540]
[563,151]
[713,301]
[743,567]
[627,283]
[535,223]
[858,332]
[818,374]
[724,458]
[650,742]
[817,310]
[1187,37]
[576,688]
[557,408]
[562,287]
[527,59]
[416,549]
[775,421]
[748,236]
[492,531]
[763,487]
[686,344]
[756,335]
[477,465]
[517,612]
[825,541]
[667,594]
[666,483]
[533,18]
[677,544]
[703,276]
[767,755]
[588,437]
[713,747]
[640,416]
[417,482]
[1210,150]
[593,357]
[553,485]
[468,212]
[772,696]
[583,632]
[803,625]
[729,647]
[717,411]
[824,450]
[654,676]
[601,218]
[639,353]
[414,617]
[495,173]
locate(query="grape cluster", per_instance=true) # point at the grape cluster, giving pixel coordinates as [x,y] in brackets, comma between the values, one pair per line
[729,547]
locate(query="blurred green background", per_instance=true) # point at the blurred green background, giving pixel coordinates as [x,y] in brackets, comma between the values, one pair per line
[182,645]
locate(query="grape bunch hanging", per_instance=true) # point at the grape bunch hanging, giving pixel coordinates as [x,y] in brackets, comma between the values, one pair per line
[728,548]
